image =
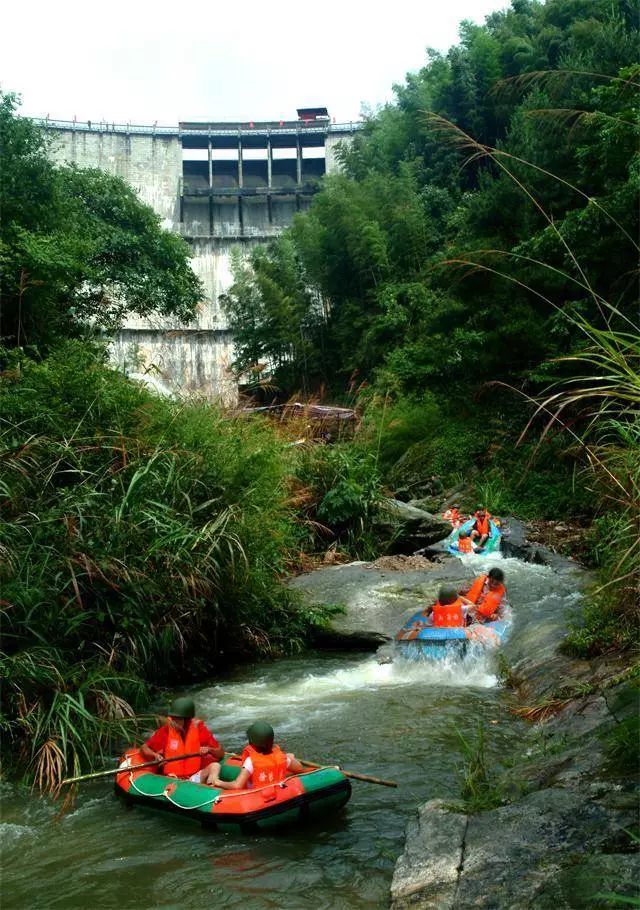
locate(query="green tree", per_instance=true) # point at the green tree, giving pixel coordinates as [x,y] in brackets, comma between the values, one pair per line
[77,247]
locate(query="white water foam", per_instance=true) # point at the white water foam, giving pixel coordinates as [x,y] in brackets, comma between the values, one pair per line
[323,693]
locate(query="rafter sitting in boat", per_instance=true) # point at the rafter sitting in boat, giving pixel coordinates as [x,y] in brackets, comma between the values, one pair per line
[184,734]
[263,762]
[485,598]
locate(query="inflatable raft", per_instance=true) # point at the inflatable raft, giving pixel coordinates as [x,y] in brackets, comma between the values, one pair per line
[308,795]
[419,638]
[491,546]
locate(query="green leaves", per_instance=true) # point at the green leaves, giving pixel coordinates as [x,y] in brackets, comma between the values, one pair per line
[78,248]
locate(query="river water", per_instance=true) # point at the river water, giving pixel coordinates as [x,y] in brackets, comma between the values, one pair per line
[400,721]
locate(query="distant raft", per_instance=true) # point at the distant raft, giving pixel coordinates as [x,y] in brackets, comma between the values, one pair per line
[308,795]
[419,638]
[492,544]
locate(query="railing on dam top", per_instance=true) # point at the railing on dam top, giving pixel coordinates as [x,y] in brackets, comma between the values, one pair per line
[229,230]
[131,129]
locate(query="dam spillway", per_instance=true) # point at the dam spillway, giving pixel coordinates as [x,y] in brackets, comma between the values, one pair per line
[223,186]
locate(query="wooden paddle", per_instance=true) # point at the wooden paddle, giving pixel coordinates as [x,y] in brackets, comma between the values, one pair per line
[148,764]
[364,777]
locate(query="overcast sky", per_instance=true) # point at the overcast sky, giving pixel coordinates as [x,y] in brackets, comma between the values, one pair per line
[141,61]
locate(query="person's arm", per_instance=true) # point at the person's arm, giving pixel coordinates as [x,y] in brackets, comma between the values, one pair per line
[238,784]
[153,749]
[209,745]
[293,764]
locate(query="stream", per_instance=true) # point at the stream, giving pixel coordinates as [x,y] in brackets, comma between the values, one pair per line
[395,720]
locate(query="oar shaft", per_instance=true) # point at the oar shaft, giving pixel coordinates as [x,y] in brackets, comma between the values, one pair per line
[365,777]
[148,764]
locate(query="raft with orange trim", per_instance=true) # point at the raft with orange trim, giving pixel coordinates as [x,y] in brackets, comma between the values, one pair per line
[307,795]
[491,545]
[419,638]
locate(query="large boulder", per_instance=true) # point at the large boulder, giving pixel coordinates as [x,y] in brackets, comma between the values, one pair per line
[403,528]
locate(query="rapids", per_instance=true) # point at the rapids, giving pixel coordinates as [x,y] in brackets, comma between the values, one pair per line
[396,720]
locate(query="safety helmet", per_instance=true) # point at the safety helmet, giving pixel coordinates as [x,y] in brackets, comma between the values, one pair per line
[260,734]
[183,707]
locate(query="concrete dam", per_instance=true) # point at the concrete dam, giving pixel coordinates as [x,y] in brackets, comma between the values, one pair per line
[223,187]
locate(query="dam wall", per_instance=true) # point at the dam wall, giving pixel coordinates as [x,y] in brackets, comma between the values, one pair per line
[223,187]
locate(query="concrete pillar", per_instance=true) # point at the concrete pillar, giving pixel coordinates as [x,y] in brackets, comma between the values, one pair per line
[298,161]
[210,160]
[269,163]
[240,179]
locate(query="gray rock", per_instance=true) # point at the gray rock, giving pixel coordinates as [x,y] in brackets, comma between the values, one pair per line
[335,640]
[426,875]
[405,528]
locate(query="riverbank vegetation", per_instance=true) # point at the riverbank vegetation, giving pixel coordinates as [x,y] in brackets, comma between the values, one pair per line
[476,264]
[472,266]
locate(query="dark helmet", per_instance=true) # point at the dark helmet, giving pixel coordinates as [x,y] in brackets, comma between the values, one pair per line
[447,594]
[260,734]
[182,707]
[496,575]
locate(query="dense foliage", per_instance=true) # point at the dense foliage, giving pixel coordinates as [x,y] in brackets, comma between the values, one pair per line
[141,540]
[483,237]
[77,246]
[476,215]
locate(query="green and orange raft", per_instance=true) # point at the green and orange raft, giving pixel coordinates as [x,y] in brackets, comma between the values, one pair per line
[308,795]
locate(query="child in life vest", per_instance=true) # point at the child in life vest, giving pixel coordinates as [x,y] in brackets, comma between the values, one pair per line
[465,544]
[448,611]
[263,762]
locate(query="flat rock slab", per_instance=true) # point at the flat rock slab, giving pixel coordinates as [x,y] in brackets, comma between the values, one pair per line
[524,855]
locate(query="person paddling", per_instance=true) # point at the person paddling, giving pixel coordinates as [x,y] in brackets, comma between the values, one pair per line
[263,762]
[182,734]
[481,529]
[486,596]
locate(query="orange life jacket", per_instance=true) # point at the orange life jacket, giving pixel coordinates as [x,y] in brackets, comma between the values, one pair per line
[486,603]
[465,545]
[451,515]
[179,745]
[482,525]
[267,769]
[448,615]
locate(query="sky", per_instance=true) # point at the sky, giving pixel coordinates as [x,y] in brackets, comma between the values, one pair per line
[139,61]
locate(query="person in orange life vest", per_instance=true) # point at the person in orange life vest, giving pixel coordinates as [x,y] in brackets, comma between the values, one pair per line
[453,515]
[485,597]
[448,610]
[465,544]
[481,528]
[184,734]
[263,763]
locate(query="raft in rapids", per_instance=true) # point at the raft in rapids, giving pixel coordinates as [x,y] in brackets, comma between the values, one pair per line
[419,638]
[491,545]
[307,795]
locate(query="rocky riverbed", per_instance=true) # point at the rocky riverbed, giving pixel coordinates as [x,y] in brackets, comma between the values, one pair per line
[561,834]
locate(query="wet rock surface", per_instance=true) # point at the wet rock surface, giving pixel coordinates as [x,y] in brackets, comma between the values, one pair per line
[560,838]
[404,528]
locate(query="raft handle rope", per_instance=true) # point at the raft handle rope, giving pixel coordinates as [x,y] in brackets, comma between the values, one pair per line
[214,799]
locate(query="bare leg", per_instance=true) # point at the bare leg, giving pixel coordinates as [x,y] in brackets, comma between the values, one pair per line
[209,774]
